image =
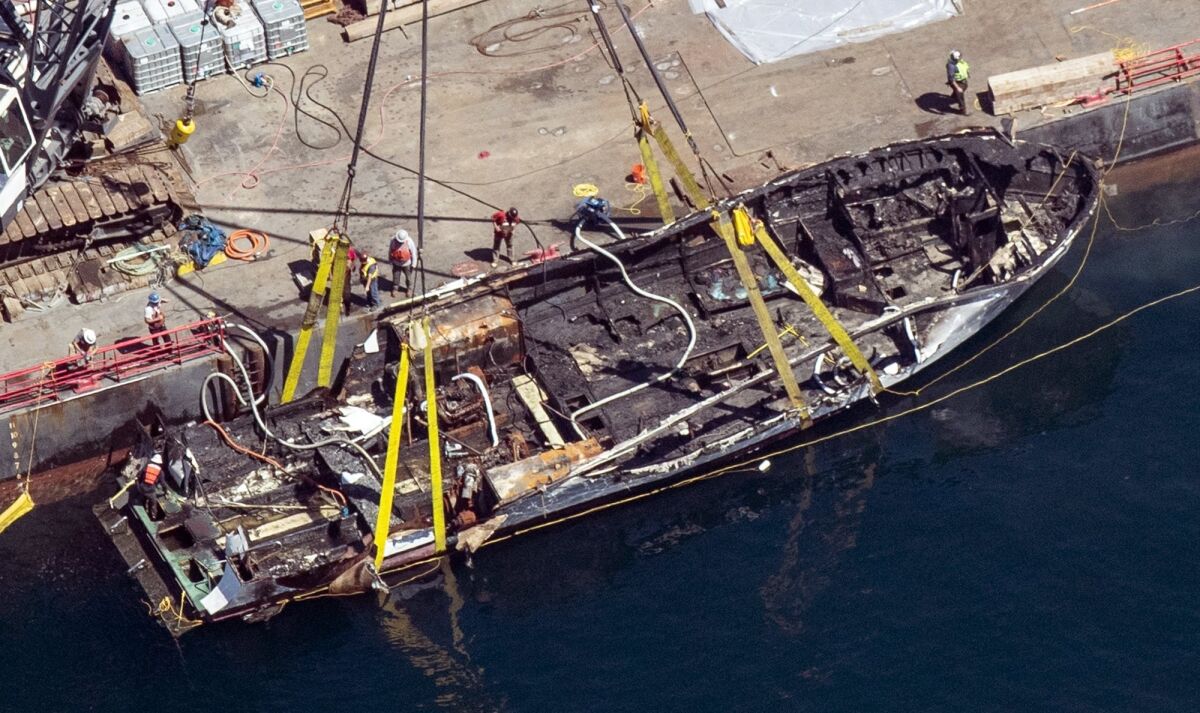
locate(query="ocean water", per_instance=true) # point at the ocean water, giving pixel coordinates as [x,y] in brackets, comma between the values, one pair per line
[1031,544]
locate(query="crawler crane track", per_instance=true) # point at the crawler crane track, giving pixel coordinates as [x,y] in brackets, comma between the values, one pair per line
[61,241]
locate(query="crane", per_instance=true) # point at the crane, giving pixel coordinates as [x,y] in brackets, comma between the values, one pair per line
[49,222]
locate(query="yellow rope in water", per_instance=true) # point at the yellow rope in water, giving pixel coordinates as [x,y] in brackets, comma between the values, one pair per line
[166,607]
[1156,223]
[24,502]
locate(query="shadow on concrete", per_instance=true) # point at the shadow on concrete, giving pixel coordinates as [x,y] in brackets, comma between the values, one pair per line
[482,254]
[937,103]
[354,214]
[302,267]
[985,102]
[177,288]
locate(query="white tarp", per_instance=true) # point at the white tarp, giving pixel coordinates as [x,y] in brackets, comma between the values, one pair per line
[771,30]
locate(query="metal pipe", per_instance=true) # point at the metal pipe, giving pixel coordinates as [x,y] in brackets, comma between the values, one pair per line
[487,402]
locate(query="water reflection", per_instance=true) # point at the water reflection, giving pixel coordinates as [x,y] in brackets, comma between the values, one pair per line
[405,617]
[817,538]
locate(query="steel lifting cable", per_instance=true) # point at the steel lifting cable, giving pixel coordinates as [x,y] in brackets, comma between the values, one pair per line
[342,216]
[421,145]
[671,105]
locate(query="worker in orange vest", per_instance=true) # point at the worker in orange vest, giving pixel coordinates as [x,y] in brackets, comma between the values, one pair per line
[402,254]
[147,487]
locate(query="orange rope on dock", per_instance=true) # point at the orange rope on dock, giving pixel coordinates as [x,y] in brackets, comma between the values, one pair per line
[337,494]
[259,244]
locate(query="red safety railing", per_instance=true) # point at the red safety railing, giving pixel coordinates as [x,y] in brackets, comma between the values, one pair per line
[1172,64]
[1168,65]
[111,364]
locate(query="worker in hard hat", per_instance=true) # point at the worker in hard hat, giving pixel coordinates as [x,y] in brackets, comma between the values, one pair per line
[957,74]
[369,274]
[402,254]
[84,344]
[147,487]
[156,321]
[504,222]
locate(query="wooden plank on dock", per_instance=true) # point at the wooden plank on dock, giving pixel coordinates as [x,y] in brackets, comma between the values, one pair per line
[1049,84]
[403,16]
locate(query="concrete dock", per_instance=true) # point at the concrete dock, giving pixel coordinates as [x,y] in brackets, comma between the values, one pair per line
[519,123]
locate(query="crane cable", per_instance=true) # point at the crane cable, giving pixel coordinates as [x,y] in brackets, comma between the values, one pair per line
[342,215]
[421,134]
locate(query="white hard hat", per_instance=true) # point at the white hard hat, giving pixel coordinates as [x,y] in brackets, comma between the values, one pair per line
[88,336]
[955,54]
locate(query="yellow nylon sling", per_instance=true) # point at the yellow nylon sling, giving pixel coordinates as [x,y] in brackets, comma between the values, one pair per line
[315,298]
[383,520]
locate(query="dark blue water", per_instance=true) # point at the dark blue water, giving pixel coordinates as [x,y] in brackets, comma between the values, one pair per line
[1030,545]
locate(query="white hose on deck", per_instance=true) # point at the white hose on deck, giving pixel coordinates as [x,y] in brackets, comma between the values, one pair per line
[270,364]
[338,440]
[687,318]
[487,402]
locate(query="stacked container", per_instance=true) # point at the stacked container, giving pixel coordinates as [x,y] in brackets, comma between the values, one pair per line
[201,45]
[245,42]
[151,58]
[128,17]
[285,28]
[161,11]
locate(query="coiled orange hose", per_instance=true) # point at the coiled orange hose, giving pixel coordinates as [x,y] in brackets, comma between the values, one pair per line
[259,243]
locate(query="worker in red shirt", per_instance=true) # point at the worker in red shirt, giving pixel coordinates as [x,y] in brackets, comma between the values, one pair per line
[503,225]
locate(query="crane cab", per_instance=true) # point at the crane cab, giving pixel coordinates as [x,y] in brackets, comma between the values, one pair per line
[16,142]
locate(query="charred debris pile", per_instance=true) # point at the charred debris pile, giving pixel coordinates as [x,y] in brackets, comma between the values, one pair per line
[607,372]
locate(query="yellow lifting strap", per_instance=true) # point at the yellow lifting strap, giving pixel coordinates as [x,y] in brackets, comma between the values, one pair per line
[383,520]
[763,314]
[681,170]
[435,448]
[20,507]
[315,298]
[332,317]
[660,193]
[822,313]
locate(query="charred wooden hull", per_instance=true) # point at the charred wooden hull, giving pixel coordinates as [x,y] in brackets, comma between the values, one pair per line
[623,368]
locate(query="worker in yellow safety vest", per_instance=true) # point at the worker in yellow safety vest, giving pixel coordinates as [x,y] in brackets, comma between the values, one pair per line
[957,74]
[370,280]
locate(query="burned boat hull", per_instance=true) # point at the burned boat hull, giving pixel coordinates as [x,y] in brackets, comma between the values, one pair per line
[624,367]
